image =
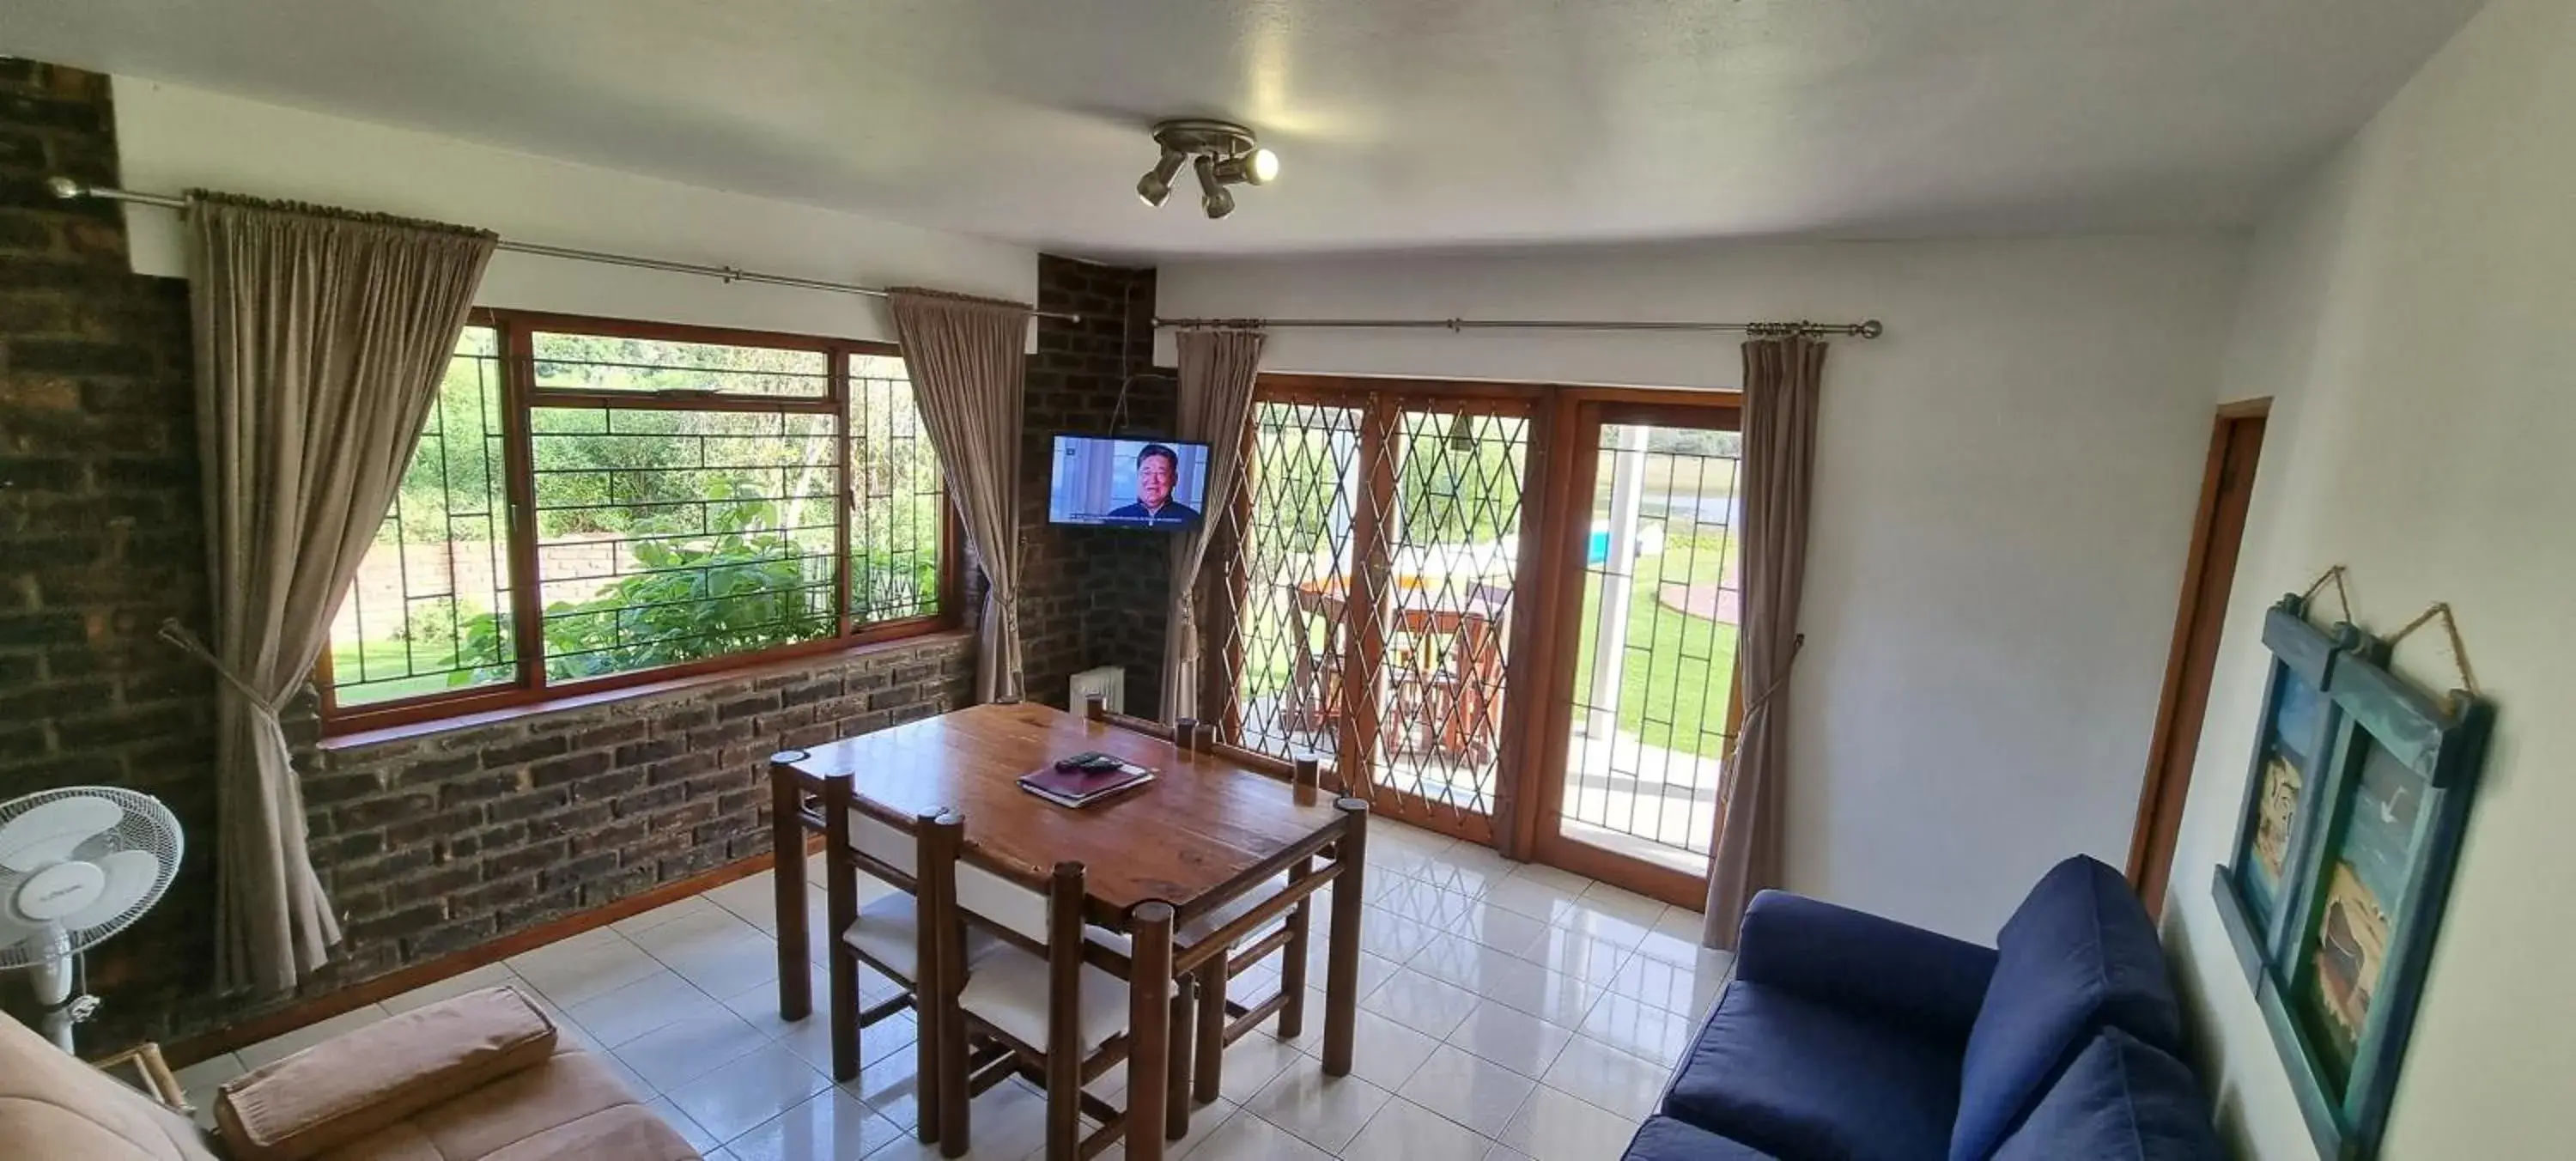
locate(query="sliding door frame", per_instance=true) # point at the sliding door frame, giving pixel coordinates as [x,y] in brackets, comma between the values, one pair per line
[1577,416]
[1545,630]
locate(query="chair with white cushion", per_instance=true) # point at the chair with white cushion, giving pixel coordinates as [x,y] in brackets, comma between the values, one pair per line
[1029,999]
[1206,1018]
[890,934]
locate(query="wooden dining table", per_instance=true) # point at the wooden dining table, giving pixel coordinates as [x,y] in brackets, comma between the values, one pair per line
[1207,830]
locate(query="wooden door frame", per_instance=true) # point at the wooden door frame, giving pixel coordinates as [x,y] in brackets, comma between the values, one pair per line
[2155,826]
[1380,402]
[1576,417]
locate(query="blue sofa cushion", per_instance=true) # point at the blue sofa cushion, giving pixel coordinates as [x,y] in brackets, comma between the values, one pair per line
[1794,1077]
[2079,955]
[1864,964]
[1662,1138]
[2119,1101]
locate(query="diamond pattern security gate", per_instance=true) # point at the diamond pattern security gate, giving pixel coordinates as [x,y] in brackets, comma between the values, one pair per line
[1364,594]
[1291,529]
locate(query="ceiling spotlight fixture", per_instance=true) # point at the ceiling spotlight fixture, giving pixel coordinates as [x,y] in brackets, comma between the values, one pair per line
[1254,168]
[1157,182]
[1213,196]
[1223,154]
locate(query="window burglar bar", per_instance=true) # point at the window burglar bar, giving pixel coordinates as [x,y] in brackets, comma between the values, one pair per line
[462,437]
[1651,731]
[662,500]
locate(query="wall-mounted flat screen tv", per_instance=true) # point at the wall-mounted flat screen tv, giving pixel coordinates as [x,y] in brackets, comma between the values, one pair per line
[1128,483]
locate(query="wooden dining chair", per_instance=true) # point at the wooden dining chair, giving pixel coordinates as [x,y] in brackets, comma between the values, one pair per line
[1031,1004]
[892,934]
[1221,1020]
[1214,948]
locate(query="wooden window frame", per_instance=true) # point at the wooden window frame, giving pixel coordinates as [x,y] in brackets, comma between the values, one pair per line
[521,397]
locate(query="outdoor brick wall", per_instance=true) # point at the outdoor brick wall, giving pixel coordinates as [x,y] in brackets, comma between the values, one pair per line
[1095,596]
[428,846]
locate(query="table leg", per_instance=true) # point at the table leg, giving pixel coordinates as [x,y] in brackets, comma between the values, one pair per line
[1292,965]
[840,911]
[787,872]
[1149,1018]
[1342,958]
[1180,1060]
[1208,1078]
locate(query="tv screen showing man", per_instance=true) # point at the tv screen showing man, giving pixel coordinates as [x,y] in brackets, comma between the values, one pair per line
[1157,469]
[1128,483]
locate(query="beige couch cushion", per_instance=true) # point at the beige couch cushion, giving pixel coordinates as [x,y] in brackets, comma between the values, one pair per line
[353,1085]
[58,1108]
[571,1106]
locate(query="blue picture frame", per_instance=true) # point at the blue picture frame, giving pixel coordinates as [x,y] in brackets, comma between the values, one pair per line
[2336,951]
[2292,741]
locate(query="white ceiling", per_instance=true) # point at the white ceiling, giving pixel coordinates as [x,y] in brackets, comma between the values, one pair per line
[1400,123]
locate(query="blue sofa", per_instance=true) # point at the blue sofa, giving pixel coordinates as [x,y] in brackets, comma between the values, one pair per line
[1848,1037]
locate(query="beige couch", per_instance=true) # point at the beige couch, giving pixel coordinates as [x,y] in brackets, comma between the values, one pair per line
[481,1077]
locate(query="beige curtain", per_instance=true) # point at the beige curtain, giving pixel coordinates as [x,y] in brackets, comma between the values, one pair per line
[1217,373]
[321,338]
[1782,380]
[967,359]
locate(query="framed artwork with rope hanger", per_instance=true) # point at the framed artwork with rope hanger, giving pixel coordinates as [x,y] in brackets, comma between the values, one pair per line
[2352,825]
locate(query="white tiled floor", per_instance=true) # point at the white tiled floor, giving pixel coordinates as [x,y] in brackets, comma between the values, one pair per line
[1508,1012]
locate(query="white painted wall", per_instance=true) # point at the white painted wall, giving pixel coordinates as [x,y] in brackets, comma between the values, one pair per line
[2409,314]
[173,138]
[2005,486]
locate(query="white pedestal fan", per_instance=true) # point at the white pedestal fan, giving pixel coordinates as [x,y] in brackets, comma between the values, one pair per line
[77,864]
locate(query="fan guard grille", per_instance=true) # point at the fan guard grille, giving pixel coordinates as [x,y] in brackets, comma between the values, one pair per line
[144,824]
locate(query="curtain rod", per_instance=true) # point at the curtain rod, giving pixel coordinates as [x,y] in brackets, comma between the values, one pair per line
[66,188]
[1868,329]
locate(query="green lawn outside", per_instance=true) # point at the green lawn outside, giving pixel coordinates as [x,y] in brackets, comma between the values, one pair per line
[384,658]
[1678,700]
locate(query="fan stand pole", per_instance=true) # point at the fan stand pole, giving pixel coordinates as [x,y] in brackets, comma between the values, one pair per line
[52,975]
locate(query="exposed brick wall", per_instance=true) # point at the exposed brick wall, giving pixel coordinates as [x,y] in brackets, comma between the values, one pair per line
[1095,596]
[100,520]
[432,845]
[428,846]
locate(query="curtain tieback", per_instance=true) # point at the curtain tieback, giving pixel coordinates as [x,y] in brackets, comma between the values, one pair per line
[1762,699]
[189,643]
[1188,607]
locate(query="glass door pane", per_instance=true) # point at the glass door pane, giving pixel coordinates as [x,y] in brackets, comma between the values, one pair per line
[1654,690]
[1449,541]
[1285,621]
[1363,596]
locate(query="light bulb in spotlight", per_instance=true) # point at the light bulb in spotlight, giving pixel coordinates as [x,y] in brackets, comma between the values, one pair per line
[1156,185]
[1255,168]
[1213,196]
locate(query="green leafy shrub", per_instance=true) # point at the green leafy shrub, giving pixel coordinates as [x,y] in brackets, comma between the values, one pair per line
[744,587]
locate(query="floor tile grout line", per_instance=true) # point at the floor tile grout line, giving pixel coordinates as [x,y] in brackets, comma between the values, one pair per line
[1395,1092]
